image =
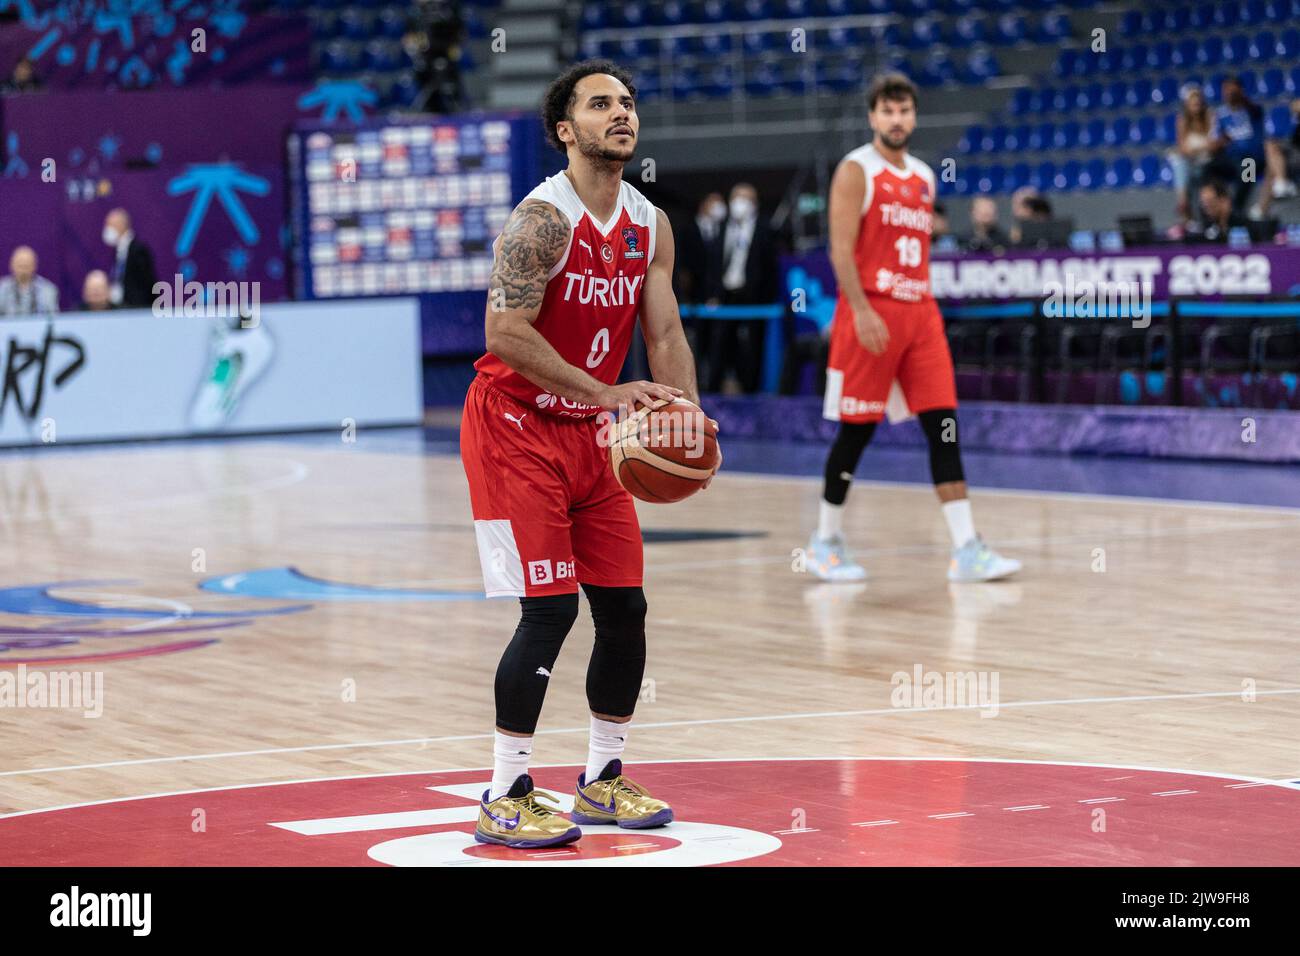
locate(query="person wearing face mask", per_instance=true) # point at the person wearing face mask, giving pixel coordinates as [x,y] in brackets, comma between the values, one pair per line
[700,273]
[132,275]
[749,277]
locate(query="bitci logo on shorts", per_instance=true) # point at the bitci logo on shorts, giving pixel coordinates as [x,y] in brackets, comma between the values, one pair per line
[539,572]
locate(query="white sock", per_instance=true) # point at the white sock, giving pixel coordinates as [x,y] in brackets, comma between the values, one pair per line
[510,757]
[607,742]
[960,523]
[830,519]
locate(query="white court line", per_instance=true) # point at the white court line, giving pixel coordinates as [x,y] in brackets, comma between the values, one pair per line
[877,712]
[1285,783]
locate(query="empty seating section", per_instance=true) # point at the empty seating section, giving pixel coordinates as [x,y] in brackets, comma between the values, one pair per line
[700,49]
[362,39]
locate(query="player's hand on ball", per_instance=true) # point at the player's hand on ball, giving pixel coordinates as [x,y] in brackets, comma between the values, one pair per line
[871,330]
[629,394]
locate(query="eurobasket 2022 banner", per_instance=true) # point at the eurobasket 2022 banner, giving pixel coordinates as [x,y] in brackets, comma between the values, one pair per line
[123,375]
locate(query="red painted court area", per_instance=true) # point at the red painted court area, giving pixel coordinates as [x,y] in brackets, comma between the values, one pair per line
[828,812]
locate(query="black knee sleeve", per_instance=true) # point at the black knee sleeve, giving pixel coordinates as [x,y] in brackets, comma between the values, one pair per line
[940,427]
[618,658]
[525,668]
[842,461]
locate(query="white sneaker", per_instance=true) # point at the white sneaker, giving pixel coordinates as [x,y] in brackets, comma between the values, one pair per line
[976,561]
[830,560]
[1283,189]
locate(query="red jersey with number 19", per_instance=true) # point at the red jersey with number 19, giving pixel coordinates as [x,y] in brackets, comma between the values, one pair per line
[593,294]
[893,249]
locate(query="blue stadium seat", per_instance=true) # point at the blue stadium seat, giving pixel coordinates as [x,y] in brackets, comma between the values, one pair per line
[971,29]
[937,70]
[1214,87]
[1067,62]
[1017,176]
[793,9]
[1069,176]
[1131,24]
[1054,26]
[1254,11]
[1094,174]
[686,83]
[1093,134]
[382,56]
[762,79]
[717,80]
[992,179]
[972,140]
[1119,175]
[1041,136]
[1160,55]
[590,47]
[752,10]
[670,13]
[1144,130]
[1237,49]
[630,13]
[1184,53]
[1288,44]
[995,140]
[1067,135]
[981,65]
[339,57]
[1210,51]
[1226,14]
[1165,91]
[1249,83]
[1021,101]
[1088,97]
[1043,176]
[1018,138]
[405,91]
[1139,93]
[1064,98]
[1151,171]
[1132,57]
[1277,123]
[1119,131]
[843,38]
[709,11]
[1293,81]
[925,33]
[838,76]
[1114,93]
[968,176]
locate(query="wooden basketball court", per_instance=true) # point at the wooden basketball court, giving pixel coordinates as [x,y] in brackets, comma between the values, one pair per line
[1142,633]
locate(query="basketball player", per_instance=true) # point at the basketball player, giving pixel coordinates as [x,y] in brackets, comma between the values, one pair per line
[579,259]
[887,328]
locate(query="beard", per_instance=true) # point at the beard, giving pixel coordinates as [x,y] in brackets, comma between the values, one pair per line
[595,148]
[897,140]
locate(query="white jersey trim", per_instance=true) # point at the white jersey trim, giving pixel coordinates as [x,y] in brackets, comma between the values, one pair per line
[872,163]
[559,192]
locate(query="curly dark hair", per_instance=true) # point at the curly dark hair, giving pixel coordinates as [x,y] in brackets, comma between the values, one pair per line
[557,104]
[891,86]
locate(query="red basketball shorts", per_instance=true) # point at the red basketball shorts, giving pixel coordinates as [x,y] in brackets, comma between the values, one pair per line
[548,513]
[858,383]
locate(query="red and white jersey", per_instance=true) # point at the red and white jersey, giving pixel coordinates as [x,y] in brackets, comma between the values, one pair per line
[893,249]
[593,294]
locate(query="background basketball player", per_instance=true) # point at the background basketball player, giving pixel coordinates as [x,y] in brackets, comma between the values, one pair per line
[579,259]
[886,328]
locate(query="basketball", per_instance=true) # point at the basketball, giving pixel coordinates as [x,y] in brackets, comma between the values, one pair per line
[665,452]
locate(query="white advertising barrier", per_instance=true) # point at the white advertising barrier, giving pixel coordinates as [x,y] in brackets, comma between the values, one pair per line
[120,375]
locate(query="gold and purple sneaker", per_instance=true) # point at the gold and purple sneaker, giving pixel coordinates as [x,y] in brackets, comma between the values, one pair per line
[613,798]
[519,819]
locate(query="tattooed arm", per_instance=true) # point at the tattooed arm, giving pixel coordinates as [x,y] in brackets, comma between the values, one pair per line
[535,237]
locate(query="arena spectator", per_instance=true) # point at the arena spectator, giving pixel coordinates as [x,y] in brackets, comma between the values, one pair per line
[749,277]
[22,79]
[95,292]
[133,274]
[986,235]
[23,292]
[1283,160]
[700,267]
[1237,135]
[1190,155]
[1020,212]
[1218,215]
